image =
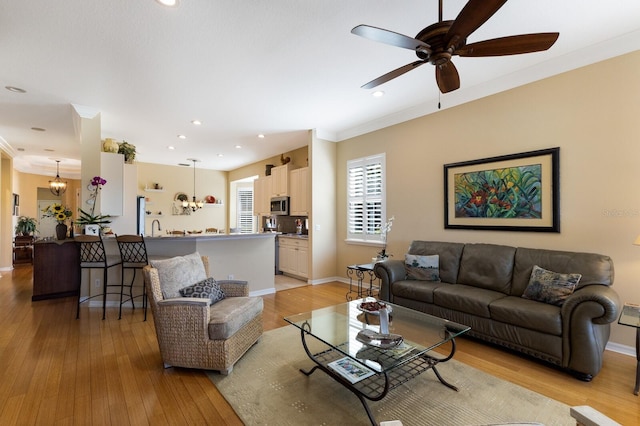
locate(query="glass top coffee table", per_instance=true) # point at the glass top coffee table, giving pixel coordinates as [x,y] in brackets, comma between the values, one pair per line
[333,339]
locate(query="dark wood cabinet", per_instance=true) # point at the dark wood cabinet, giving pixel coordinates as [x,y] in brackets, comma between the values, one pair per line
[56,269]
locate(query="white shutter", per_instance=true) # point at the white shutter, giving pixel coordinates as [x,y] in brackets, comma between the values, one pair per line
[246,219]
[365,198]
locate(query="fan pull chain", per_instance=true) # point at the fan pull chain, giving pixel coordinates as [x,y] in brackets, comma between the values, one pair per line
[439,99]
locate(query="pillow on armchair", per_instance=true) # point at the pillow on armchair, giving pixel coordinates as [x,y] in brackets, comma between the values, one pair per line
[179,272]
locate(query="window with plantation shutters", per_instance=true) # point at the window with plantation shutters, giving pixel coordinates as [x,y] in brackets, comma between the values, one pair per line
[246,221]
[366,209]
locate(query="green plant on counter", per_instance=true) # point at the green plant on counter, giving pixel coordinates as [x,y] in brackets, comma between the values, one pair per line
[26,226]
[128,150]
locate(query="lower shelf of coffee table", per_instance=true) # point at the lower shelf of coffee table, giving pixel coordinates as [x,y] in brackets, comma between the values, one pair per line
[373,386]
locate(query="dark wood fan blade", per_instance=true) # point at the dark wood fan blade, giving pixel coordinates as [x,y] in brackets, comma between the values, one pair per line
[393,74]
[390,37]
[447,77]
[513,45]
[471,17]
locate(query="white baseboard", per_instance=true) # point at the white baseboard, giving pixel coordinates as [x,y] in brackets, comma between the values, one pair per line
[621,349]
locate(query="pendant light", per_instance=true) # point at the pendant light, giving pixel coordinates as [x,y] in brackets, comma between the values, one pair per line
[193,205]
[57,186]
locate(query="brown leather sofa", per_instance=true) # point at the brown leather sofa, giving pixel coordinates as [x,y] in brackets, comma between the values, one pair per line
[481,285]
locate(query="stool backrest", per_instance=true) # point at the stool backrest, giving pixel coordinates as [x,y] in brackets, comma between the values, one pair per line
[132,248]
[91,249]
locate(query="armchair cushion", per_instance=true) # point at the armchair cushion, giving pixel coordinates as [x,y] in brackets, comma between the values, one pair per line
[231,314]
[205,289]
[178,272]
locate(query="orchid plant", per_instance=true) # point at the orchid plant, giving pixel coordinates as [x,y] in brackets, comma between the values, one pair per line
[384,230]
[85,218]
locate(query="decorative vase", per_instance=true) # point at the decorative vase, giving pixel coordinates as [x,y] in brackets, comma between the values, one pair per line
[61,231]
[109,145]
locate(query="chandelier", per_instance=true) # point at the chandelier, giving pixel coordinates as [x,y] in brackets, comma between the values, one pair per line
[193,205]
[57,186]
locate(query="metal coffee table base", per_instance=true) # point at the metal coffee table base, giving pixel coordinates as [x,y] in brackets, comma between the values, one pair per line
[376,387]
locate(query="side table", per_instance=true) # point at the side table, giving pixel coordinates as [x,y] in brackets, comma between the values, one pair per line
[630,316]
[360,272]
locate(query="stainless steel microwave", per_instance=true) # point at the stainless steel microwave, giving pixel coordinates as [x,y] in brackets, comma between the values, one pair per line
[280,206]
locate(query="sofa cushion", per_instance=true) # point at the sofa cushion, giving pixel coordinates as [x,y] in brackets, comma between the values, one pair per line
[178,272]
[231,314]
[205,289]
[422,268]
[528,314]
[449,254]
[595,268]
[487,266]
[416,290]
[550,287]
[468,299]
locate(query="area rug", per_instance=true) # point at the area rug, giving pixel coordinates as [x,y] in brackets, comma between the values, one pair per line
[267,388]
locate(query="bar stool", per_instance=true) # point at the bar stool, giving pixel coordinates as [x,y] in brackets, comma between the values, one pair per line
[133,254]
[94,256]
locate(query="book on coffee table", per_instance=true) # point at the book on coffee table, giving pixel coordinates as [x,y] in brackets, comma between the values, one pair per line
[350,369]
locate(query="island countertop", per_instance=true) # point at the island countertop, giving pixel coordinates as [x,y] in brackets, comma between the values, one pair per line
[206,237]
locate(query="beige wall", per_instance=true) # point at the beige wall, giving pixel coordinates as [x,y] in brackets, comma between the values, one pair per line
[591,113]
[175,179]
[323,214]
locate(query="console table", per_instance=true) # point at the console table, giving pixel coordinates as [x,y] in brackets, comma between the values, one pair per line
[630,316]
[360,272]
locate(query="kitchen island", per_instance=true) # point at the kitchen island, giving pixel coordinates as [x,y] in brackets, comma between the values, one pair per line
[248,257]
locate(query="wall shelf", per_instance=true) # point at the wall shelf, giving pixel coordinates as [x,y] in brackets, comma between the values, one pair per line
[153,190]
[213,204]
[154,215]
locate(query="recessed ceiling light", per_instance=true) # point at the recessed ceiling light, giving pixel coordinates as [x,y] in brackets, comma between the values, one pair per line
[196,122]
[38,129]
[15,89]
[238,146]
[377,93]
[171,147]
[169,3]
[261,136]
[220,155]
[182,137]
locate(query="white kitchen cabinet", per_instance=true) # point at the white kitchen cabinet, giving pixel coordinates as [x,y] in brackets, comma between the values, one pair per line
[300,194]
[262,196]
[294,256]
[280,180]
[111,194]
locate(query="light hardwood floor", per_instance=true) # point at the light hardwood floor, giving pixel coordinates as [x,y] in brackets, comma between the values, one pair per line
[56,370]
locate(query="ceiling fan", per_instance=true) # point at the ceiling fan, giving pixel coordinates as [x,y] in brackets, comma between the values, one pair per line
[437,43]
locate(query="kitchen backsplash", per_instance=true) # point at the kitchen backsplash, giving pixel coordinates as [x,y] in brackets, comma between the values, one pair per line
[284,224]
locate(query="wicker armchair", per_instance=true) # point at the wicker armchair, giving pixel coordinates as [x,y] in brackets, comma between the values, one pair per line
[193,333]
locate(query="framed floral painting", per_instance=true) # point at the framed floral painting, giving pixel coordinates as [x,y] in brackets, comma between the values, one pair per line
[517,192]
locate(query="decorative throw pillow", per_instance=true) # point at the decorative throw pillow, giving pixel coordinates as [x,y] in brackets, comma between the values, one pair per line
[179,272]
[205,289]
[550,287]
[423,268]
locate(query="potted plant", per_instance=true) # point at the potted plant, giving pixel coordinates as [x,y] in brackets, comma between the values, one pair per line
[26,226]
[93,222]
[128,150]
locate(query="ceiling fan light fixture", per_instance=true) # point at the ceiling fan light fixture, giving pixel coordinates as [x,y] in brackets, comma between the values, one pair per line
[378,94]
[57,186]
[196,122]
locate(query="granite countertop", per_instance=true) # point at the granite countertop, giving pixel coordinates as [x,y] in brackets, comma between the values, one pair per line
[296,236]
